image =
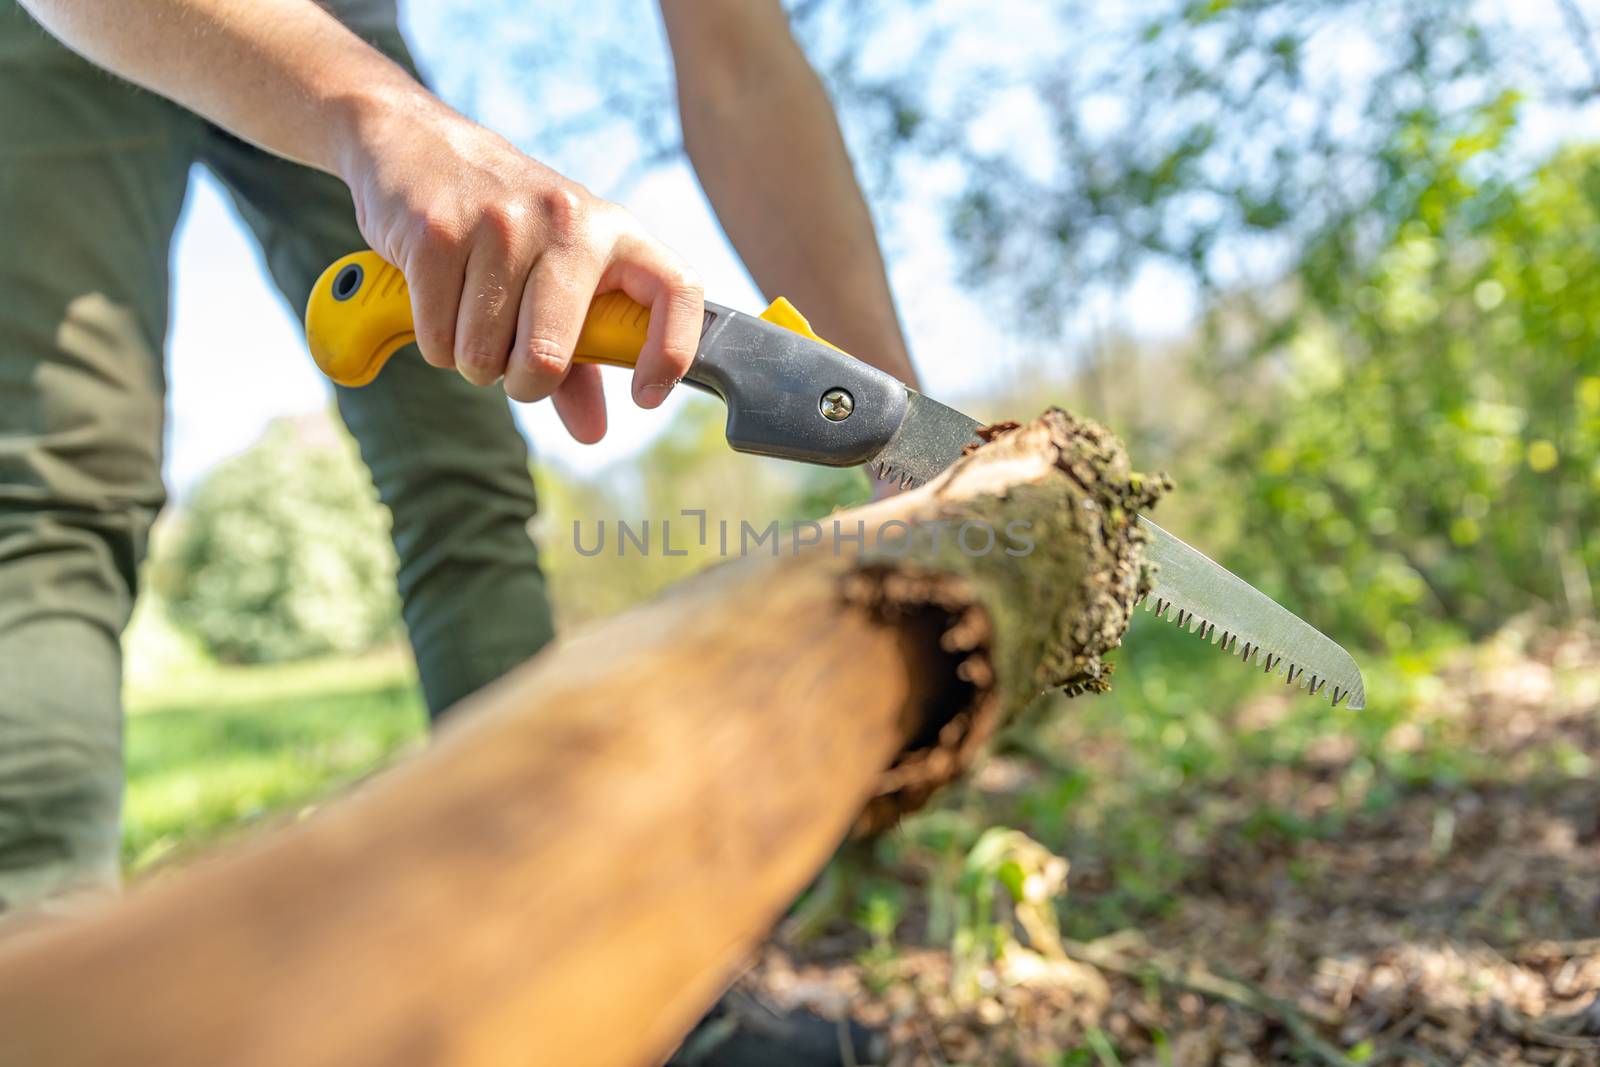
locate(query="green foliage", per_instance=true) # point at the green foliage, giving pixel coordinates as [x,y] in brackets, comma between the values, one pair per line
[283,553]
[1426,452]
[882,906]
[1076,144]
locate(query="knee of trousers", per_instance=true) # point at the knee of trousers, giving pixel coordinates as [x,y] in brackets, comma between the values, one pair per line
[63,602]
[60,800]
[454,525]
[474,583]
[69,565]
[448,461]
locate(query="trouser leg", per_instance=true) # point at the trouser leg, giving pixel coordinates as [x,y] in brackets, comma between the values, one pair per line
[92,178]
[446,456]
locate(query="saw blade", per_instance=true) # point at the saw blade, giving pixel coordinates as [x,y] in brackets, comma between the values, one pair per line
[1190,589]
[1211,602]
[931,436]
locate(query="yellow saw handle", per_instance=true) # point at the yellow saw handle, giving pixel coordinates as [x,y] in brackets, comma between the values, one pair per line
[789,393]
[359,315]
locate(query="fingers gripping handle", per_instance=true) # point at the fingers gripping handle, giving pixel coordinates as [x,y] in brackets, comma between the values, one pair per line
[782,383]
[359,315]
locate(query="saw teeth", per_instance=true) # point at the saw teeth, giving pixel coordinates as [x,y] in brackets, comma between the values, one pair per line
[887,472]
[1249,654]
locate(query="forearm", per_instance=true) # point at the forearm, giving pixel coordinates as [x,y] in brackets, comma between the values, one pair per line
[502,255]
[761,133]
[283,74]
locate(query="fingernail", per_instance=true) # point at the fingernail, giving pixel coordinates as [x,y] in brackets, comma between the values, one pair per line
[654,393]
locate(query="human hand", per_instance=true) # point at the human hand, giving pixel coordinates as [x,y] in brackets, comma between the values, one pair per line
[503,257]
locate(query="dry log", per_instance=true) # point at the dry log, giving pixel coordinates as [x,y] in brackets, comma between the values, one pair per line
[572,872]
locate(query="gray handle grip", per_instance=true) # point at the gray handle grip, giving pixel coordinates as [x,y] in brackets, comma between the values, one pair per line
[793,398]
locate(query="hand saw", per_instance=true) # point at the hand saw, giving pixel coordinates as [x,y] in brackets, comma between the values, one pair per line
[793,395]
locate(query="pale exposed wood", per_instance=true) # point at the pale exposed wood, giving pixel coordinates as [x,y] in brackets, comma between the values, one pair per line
[568,876]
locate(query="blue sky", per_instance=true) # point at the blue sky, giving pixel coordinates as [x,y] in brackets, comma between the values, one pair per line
[237,359]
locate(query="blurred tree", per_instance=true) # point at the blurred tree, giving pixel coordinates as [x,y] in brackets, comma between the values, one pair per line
[1397,337]
[283,551]
[1425,444]
[1401,320]
[1074,143]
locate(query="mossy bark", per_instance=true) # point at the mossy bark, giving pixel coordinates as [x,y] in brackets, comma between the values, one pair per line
[1019,625]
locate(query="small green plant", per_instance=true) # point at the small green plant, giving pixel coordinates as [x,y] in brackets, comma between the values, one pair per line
[987,922]
[883,903]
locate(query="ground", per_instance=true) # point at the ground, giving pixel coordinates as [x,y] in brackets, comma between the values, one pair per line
[1250,877]
[1321,909]
[212,750]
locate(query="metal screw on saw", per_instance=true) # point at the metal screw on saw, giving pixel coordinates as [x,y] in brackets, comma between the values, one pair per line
[836,405]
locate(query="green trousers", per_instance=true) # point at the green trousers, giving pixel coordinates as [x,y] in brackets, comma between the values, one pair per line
[92,178]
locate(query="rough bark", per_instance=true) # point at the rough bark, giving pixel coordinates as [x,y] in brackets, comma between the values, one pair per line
[572,872]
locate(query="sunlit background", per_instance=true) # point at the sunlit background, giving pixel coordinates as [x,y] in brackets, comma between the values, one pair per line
[228,321]
[1333,264]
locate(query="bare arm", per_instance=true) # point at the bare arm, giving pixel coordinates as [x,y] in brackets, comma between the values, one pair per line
[283,74]
[503,254]
[763,138]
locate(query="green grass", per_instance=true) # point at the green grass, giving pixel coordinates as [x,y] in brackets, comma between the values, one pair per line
[214,748]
